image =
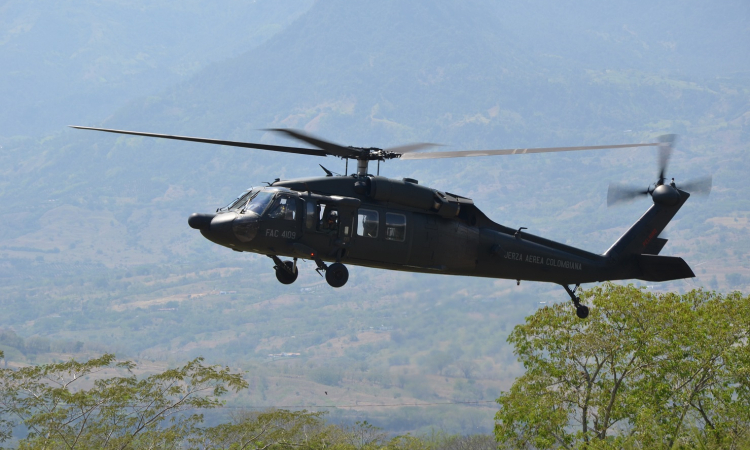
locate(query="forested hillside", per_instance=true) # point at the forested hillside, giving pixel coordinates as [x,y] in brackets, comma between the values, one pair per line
[96,255]
[64,62]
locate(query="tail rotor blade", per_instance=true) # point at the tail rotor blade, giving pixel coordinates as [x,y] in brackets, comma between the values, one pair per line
[666,143]
[618,193]
[699,186]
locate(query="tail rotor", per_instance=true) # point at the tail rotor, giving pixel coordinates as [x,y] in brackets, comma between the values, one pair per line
[659,191]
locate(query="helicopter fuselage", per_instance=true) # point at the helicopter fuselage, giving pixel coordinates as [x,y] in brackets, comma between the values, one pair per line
[395,225]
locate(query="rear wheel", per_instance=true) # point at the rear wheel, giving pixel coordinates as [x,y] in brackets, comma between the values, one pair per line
[582,311]
[287,275]
[337,275]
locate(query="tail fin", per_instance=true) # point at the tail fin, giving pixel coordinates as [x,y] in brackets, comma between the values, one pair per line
[639,246]
[643,236]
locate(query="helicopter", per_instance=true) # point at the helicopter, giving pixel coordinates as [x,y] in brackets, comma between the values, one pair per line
[373,221]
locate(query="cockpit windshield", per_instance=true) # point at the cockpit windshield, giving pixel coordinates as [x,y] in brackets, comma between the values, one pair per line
[238,202]
[254,200]
[259,203]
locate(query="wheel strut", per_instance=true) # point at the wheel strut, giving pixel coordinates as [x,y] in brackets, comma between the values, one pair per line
[286,271]
[281,265]
[336,275]
[322,268]
[582,311]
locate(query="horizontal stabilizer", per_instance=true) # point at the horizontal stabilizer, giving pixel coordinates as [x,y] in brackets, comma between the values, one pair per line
[655,246]
[663,268]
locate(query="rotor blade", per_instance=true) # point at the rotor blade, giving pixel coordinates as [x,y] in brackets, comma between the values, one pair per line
[401,149]
[328,147]
[514,151]
[275,148]
[666,143]
[619,193]
[699,186]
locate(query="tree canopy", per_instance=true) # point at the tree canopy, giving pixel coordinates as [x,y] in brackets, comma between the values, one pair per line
[645,370]
[103,404]
[82,405]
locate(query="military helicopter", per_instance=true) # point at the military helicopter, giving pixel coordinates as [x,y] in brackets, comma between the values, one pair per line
[373,221]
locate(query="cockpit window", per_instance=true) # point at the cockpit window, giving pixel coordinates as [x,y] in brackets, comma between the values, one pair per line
[259,203]
[285,207]
[238,202]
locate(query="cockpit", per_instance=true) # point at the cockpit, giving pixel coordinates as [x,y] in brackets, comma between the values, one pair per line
[254,200]
[257,200]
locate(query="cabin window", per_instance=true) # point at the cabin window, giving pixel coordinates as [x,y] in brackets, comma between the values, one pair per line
[328,220]
[367,223]
[395,227]
[284,208]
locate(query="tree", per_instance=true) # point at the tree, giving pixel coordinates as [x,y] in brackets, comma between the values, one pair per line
[652,370]
[280,429]
[437,360]
[467,367]
[82,405]
[259,430]
[471,442]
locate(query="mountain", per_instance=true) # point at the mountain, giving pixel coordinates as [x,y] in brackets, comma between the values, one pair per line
[369,70]
[62,62]
[469,75]
[93,240]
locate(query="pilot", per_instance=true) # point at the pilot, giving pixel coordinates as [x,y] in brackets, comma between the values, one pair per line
[332,223]
[279,210]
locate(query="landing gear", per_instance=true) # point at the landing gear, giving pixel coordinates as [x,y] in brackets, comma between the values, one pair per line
[337,275]
[582,311]
[286,271]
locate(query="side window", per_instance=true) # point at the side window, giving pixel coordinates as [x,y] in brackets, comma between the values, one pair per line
[291,209]
[395,227]
[328,220]
[284,208]
[367,223]
[310,214]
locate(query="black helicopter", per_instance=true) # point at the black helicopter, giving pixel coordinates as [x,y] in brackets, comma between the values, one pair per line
[374,221]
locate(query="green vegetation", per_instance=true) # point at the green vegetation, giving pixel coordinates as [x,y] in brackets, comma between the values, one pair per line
[643,371]
[378,349]
[103,404]
[108,411]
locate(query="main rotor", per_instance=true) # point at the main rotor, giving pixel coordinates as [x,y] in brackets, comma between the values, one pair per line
[363,155]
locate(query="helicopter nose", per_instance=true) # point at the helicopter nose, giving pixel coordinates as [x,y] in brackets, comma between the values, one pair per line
[220,229]
[200,221]
[228,229]
[245,226]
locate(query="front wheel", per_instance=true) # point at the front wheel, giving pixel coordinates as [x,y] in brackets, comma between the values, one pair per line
[287,275]
[582,311]
[337,275]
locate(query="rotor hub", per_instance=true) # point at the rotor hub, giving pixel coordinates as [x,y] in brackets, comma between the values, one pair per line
[665,195]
